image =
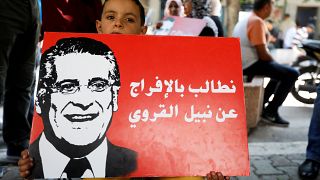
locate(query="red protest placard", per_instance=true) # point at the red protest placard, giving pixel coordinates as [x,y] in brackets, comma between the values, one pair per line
[180,106]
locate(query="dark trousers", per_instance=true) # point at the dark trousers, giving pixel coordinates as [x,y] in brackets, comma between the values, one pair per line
[282,78]
[313,148]
[19,33]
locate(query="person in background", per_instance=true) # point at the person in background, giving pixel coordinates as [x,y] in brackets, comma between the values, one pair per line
[296,35]
[201,9]
[273,40]
[288,37]
[19,34]
[302,34]
[256,60]
[173,8]
[309,169]
[215,15]
[38,56]
[284,26]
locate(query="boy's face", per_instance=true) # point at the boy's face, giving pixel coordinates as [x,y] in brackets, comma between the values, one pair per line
[120,17]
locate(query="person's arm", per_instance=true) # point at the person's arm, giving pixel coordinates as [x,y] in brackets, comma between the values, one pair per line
[216,176]
[25,164]
[263,54]
[257,31]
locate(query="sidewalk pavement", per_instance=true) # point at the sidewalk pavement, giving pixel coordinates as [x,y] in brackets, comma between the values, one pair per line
[275,152]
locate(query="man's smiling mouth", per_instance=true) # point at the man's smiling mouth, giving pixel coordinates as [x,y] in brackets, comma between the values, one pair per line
[81,117]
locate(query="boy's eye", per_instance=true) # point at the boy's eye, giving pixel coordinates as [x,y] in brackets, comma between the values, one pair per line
[131,20]
[110,17]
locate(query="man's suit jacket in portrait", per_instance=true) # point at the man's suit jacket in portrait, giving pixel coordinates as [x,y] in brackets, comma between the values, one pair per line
[120,161]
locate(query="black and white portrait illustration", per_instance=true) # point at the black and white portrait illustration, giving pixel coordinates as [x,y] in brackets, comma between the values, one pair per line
[77,94]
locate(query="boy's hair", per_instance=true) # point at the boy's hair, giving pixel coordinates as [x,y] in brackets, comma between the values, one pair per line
[141,9]
[259,4]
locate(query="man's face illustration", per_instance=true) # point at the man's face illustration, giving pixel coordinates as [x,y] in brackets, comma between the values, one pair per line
[82,99]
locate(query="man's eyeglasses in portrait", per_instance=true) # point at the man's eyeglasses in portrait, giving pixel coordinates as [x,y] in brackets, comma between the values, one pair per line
[71,86]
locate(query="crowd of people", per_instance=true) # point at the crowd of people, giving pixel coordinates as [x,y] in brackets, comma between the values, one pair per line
[21,31]
[208,10]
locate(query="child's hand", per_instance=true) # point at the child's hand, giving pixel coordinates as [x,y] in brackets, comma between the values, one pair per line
[216,176]
[25,163]
[158,25]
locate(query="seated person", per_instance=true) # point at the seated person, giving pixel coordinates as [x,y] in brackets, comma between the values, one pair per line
[257,60]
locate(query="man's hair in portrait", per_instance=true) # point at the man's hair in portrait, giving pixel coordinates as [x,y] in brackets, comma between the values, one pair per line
[141,9]
[48,73]
[259,4]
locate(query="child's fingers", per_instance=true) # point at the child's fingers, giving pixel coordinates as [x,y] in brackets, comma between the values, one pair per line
[24,174]
[26,166]
[213,176]
[25,161]
[209,176]
[24,170]
[25,154]
[216,176]
[219,176]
